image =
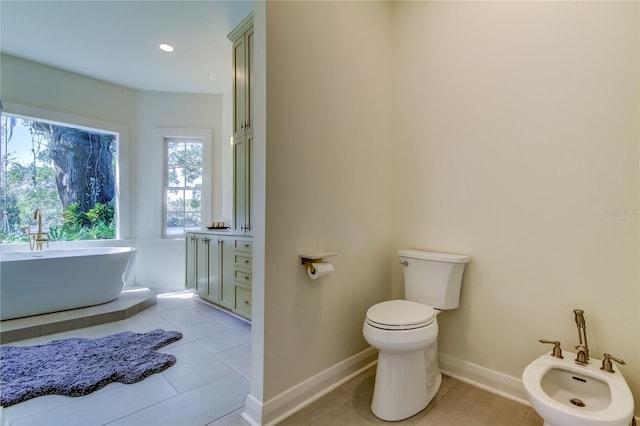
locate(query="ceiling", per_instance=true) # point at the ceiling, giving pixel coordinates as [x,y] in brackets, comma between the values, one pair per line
[117,41]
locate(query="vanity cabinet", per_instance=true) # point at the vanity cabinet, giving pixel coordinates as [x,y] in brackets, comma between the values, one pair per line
[217,266]
[242,276]
[242,39]
[203,265]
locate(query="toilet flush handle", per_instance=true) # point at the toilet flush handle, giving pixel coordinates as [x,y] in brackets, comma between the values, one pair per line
[405,263]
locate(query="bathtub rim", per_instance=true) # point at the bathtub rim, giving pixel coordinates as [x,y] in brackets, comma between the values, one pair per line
[64,245]
[53,253]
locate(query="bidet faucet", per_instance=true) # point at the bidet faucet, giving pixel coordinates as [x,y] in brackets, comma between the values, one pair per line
[557,352]
[582,335]
[581,357]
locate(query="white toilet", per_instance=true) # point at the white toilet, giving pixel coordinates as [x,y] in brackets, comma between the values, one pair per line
[405,332]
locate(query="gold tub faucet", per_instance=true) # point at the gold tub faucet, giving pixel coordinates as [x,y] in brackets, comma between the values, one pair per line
[36,240]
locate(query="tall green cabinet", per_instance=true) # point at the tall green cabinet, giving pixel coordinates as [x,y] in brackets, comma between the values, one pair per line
[242,38]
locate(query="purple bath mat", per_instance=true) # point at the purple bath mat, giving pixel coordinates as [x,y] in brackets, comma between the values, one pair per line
[78,366]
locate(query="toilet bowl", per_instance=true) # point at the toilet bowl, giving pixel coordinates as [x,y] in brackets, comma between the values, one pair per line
[403,331]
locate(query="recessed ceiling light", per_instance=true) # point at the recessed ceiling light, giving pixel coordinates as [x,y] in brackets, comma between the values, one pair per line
[166,47]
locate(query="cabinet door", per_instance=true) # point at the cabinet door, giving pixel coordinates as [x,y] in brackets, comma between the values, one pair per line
[239,87]
[248,183]
[213,270]
[190,264]
[242,191]
[227,291]
[249,81]
[243,84]
[202,264]
[240,185]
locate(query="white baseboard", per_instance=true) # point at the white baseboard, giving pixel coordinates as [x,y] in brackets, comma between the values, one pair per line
[299,396]
[252,411]
[484,378]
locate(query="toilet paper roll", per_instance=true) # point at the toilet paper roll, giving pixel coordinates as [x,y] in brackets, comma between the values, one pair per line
[322,269]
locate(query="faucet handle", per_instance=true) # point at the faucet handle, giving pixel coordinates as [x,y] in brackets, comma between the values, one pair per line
[607,365]
[557,352]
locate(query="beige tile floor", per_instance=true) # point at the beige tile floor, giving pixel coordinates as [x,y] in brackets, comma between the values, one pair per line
[457,404]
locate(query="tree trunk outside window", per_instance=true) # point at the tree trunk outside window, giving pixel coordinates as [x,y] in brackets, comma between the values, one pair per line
[84,166]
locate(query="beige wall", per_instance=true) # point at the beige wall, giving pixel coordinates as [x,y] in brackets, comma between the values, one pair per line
[516,142]
[39,86]
[328,181]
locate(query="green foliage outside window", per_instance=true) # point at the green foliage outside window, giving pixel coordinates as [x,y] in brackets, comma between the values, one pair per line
[68,173]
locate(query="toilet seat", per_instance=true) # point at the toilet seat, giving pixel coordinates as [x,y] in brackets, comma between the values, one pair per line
[400,315]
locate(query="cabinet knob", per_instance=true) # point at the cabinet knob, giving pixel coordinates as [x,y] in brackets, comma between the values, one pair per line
[246,302]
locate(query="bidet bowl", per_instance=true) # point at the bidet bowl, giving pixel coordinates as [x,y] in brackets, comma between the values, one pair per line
[564,393]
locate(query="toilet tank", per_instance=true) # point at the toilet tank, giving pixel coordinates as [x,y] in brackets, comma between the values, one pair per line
[433,279]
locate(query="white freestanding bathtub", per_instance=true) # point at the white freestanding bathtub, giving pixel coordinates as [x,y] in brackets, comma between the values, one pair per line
[40,282]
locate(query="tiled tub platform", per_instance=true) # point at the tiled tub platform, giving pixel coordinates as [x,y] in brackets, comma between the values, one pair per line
[132,300]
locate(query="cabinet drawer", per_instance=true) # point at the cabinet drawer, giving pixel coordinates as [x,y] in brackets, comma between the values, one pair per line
[245,246]
[242,276]
[243,301]
[242,261]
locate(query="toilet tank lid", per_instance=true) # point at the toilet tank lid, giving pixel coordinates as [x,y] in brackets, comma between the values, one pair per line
[438,257]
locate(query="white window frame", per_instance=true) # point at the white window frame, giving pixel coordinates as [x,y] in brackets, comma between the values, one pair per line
[204,136]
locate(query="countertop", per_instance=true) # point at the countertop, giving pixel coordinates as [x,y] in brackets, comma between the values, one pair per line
[223,232]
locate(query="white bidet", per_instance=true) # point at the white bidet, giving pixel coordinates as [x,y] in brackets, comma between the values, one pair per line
[565,393]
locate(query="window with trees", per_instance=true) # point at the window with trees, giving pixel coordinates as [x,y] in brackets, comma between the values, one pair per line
[67,172]
[183,186]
